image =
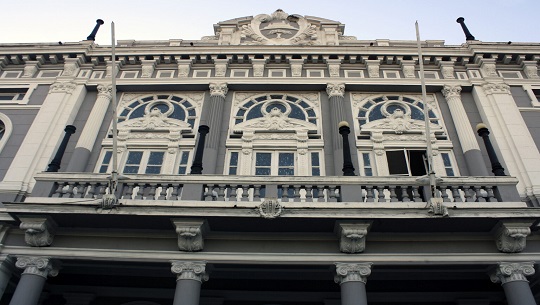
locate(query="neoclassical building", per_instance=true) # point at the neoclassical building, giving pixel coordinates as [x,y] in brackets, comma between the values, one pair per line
[313,148]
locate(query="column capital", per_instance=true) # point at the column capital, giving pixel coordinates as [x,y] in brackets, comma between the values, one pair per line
[218,89]
[39,230]
[352,235]
[63,87]
[511,272]
[496,88]
[36,265]
[190,233]
[335,89]
[104,90]
[185,270]
[451,91]
[511,236]
[352,272]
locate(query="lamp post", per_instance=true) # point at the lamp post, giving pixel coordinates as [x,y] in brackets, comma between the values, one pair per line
[468,35]
[196,168]
[348,168]
[92,35]
[54,166]
[496,166]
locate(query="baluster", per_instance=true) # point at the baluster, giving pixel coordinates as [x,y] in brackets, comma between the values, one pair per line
[102,190]
[469,193]
[232,193]
[69,191]
[152,192]
[128,191]
[444,194]
[164,189]
[309,194]
[284,193]
[221,193]
[257,193]
[140,192]
[320,193]
[393,196]
[174,192]
[456,194]
[296,194]
[405,195]
[332,194]
[490,194]
[479,195]
[369,194]
[91,190]
[77,190]
[208,195]
[378,191]
[59,192]
[416,194]
[245,192]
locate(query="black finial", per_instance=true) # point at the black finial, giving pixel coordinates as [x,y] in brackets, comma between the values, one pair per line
[92,35]
[348,168]
[197,167]
[496,166]
[54,166]
[468,35]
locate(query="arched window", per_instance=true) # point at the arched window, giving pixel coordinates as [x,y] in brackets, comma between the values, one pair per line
[6,127]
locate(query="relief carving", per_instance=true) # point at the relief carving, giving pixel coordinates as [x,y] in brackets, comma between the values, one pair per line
[511,272]
[190,234]
[512,237]
[352,236]
[39,231]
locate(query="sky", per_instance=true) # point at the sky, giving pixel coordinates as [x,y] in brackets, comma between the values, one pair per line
[32,21]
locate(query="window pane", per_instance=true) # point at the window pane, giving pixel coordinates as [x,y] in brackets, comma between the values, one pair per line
[446,159]
[134,157]
[368,171]
[449,171]
[107,157]
[156,158]
[262,171]
[103,168]
[286,159]
[286,172]
[234,159]
[397,165]
[131,169]
[185,157]
[263,159]
[314,159]
[365,157]
[182,170]
[315,172]
[232,171]
[153,169]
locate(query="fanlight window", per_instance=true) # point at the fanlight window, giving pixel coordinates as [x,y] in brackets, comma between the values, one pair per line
[170,106]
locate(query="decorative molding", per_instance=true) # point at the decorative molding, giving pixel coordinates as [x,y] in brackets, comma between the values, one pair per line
[352,272]
[499,88]
[488,67]
[270,208]
[147,68]
[531,69]
[184,68]
[352,236]
[220,67]
[511,237]
[296,67]
[335,90]
[450,91]
[447,69]
[190,234]
[39,231]
[40,266]
[409,68]
[104,90]
[195,270]
[373,67]
[511,272]
[62,87]
[258,67]
[218,89]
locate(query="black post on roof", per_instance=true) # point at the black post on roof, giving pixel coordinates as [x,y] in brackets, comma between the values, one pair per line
[54,166]
[348,168]
[496,166]
[468,35]
[92,35]
[197,167]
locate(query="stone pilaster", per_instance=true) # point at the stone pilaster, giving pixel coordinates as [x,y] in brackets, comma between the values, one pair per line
[352,279]
[336,94]
[467,138]
[513,278]
[189,277]
[36,271]
[39,231]
[218,92]
[89,134]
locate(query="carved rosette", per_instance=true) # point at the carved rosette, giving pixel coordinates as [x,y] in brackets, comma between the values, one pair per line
[335,90]
[63,87]
[491,88]
[41,266]
[190,234]
[352,236]
[218,89]
[511,272]
[39,231]
[451,91]
[105,91]
[190,270]
[352,272]
[270,209]
[512,238]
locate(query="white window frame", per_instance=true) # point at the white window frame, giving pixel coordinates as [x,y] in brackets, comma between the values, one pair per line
[387,72]
[8,129]
[516,73]
[243,72]
[474,74]
[363,166]
[160,73]
[434,73]
[42,72]
[272,72]
[178,160]
[349,72]
[29,90]
[462,76]
[274,161]
[311,72]
[84,73]
[97,74]
[125,73]
[198,73]
[5,73]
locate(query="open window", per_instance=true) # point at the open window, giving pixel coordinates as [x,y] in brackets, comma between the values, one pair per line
[405,162]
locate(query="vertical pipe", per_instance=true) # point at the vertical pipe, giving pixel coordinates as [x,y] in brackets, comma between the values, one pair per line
[54,166]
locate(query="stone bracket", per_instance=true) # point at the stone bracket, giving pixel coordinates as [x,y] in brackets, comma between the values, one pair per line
[352,235]
[39,230]
[190,234]
[511,236]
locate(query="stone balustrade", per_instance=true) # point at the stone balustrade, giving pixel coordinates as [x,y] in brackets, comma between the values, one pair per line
[286,189]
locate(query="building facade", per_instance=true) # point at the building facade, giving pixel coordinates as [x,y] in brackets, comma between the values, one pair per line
[272,219]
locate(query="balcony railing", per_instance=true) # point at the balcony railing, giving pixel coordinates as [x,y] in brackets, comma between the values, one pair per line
[283,188]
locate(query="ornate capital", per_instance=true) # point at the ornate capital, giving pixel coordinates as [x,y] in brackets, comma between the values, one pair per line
[39,230]
[511,272]
[335,90]
[491,88]
[352,272]
[218,89]
[190,234]
[63,87]
[352,236]
[511,237]
[41,266]
[190,270]
[104,91]
[451,91]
